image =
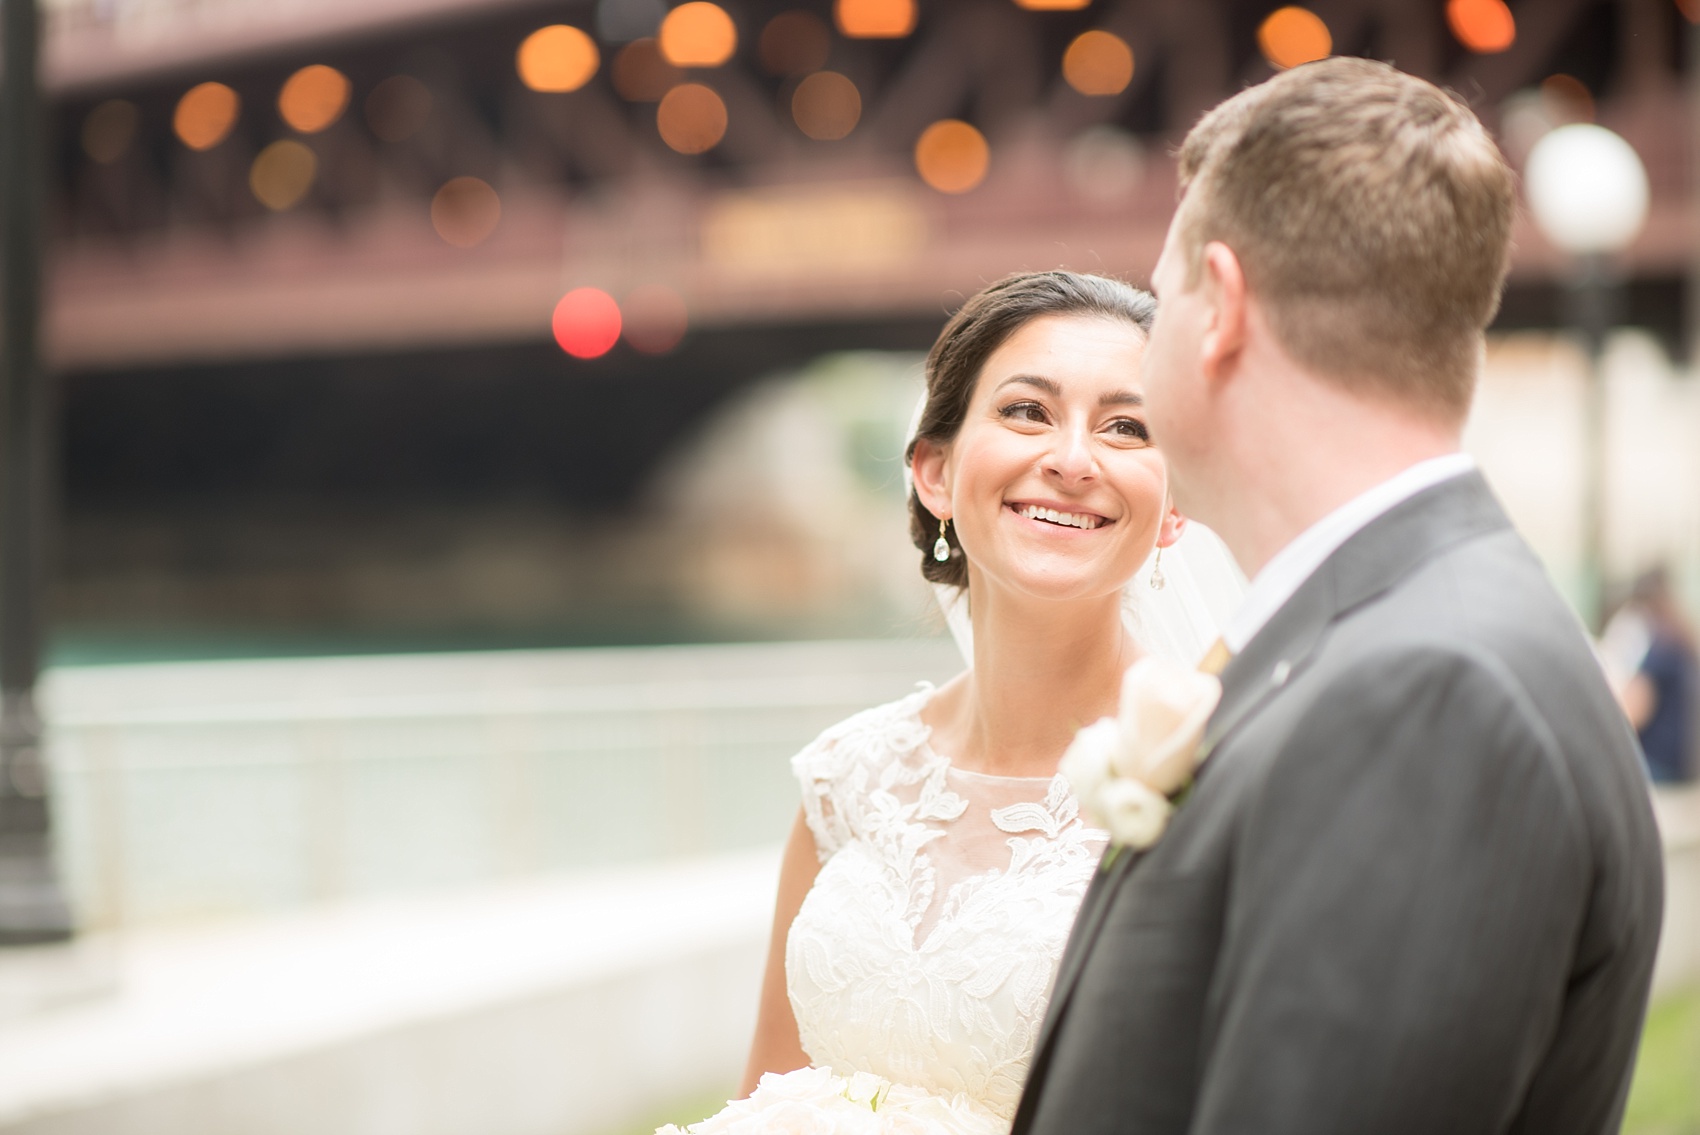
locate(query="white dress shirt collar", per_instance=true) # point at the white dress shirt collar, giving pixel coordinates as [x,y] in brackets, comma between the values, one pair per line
[1287,570]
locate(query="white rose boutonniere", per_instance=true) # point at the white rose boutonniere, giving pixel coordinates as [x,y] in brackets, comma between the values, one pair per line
[1127,770]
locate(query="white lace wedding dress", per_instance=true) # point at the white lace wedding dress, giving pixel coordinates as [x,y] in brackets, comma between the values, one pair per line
[921,961]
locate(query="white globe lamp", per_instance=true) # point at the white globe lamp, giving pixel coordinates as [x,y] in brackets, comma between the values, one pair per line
[1587,189]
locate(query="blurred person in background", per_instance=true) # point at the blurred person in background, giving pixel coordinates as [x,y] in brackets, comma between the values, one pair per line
[939,858]
[1651,641]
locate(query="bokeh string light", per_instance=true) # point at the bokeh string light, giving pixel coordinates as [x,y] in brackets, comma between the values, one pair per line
[691,118]
[313,98]
[794,43]
[952,156]
[1098,63]
[826,106]
[640,74]
[465,211]
[109,129]
[698,34]
[874,19]
[206,115]
[1052,5]
[398,108]
[655,318]
[557,59]
[586,323]
[1293,35]
[1484,26]
[282,174]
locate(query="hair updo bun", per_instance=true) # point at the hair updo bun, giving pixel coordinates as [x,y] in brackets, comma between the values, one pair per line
[980,327]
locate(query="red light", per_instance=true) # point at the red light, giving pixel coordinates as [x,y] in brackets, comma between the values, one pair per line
[587,323]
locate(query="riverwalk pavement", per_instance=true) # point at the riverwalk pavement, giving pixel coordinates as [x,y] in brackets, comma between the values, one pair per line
[568,1005]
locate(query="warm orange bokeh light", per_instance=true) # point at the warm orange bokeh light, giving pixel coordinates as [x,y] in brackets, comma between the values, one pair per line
[109,129]
[874,19]
[1098,63]
[557,58]
[313,98]
[282,174]
[698,34]
[1291,36]
[1052,5]
[1690,10]
[655,318]
[1484,26]
[952,156]
[465,211]
[206,115]
[641,75]
[398,107]
[586,323]
[827,106]
[795,43]
[691,118]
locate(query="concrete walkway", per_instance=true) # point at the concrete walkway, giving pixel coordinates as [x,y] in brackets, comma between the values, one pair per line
[576,1005]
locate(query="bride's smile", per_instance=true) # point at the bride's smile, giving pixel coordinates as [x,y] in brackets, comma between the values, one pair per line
[1057,515]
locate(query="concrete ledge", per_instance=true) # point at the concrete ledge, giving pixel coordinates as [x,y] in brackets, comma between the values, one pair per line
[570,1007]
[1678,966]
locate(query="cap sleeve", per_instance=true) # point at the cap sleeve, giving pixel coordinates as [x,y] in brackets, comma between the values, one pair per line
[838,769]
[819,771]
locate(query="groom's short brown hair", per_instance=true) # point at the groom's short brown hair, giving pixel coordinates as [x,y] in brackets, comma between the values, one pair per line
[1371,214]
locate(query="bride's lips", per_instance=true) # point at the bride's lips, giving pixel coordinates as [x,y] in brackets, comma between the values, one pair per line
[1018,508]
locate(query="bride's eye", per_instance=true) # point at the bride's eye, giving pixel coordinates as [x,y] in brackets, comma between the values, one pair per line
[1131,428]
[1023,412]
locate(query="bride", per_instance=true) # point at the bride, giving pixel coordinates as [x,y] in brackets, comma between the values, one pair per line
[938,860]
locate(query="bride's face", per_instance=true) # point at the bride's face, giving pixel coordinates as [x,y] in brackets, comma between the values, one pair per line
[1052,483]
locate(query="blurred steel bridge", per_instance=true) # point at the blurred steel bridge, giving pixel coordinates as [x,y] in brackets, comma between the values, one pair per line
[371,341]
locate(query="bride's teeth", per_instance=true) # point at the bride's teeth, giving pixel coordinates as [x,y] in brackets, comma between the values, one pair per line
[1073,520]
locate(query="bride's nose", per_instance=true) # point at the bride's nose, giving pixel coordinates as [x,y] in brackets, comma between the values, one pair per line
[1071,458]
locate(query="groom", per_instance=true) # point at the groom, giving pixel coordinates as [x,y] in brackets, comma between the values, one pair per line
[1416,886]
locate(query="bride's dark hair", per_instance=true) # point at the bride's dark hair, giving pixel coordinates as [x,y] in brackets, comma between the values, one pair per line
[980,327]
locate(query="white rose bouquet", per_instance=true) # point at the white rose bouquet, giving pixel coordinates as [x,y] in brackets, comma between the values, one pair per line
[1127,771]
[818,1101]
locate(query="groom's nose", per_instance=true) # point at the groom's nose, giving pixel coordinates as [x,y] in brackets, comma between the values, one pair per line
[1071,457]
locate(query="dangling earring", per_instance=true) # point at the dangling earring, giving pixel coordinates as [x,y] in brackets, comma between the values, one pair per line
[1157,580]
[941,546]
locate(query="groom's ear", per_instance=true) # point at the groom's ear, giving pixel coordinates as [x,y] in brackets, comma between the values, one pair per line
[1170,530]
[1224,284]
[927,468]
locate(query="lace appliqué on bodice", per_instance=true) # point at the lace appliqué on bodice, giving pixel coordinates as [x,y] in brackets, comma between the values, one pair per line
[926,949]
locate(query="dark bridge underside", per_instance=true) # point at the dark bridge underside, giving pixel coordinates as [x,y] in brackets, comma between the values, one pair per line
[514,423]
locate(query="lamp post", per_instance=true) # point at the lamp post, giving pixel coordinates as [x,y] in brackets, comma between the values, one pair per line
[1588,191]
[32,903]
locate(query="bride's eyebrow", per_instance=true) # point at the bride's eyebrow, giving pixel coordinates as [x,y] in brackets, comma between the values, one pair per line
[1054,388]
[1049,385]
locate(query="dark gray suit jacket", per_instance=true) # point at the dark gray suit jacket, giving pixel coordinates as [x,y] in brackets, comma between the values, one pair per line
[1416,886]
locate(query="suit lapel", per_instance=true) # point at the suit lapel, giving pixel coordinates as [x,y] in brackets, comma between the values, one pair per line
[1369,564]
